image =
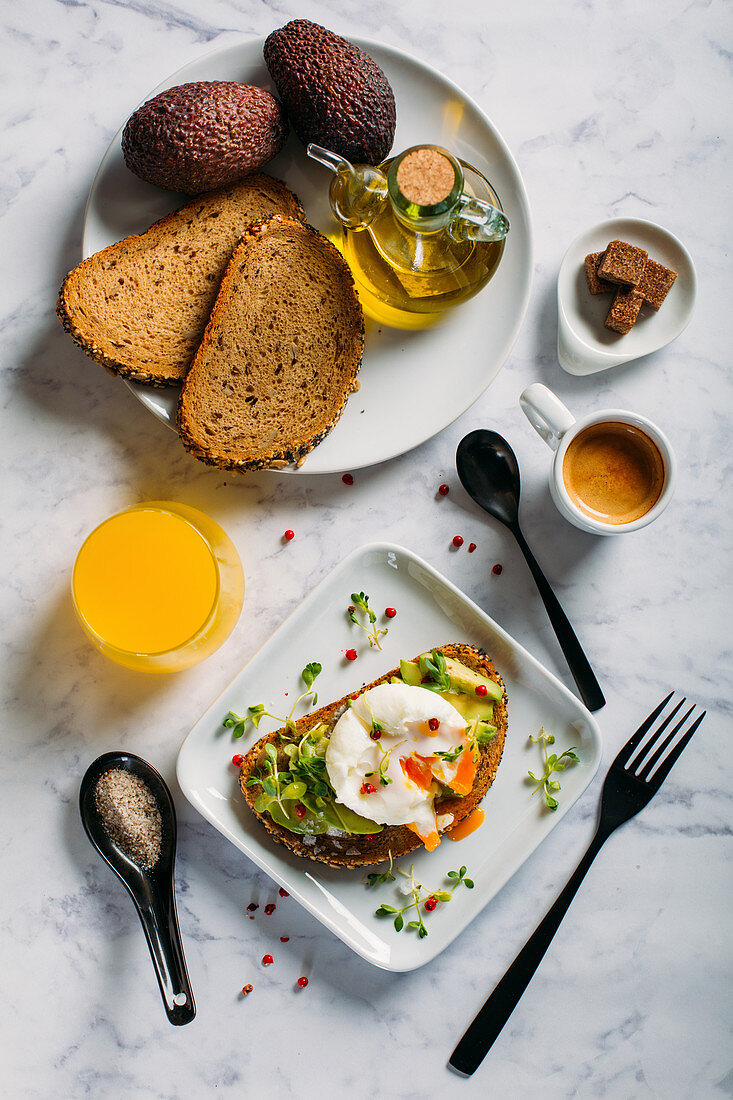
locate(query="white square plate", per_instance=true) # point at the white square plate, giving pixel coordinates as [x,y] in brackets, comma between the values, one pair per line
[430,611]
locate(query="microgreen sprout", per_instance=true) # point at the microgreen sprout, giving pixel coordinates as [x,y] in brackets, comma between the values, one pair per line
[237,723]
[436,671]
[553,763]
[460,877]
[360,603]
[421,897]
[386,876]
[271,780]
[385,755]
[377,729]
[451,755]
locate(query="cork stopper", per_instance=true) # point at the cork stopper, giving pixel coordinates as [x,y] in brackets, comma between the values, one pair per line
[425,177]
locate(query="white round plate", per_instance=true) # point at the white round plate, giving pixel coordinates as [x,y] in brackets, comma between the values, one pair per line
[413,384]
[584,345]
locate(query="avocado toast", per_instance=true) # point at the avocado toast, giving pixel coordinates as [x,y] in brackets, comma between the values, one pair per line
[289,777]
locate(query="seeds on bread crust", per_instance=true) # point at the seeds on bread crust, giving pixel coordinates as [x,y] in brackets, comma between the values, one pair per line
[139,307]
[280,354]
[352,850]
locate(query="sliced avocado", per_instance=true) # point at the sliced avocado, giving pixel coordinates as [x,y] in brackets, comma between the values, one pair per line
[341,817]
[465,680]
[310,824]
[422,664]
[411,673]
[484,733]
[329,817]
[472,707]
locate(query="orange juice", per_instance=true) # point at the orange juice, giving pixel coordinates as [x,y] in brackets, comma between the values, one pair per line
[158,587]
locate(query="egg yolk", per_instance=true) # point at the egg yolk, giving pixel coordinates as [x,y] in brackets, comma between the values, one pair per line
[466,773]
[418,769]
[431,840]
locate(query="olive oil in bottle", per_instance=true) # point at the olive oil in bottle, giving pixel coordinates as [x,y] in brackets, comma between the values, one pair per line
[421,233]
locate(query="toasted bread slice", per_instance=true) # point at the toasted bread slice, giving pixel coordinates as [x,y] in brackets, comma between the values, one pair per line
[351,850]
[280,355]
[140,307]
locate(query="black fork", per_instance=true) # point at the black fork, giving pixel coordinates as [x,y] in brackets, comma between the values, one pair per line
[631,782]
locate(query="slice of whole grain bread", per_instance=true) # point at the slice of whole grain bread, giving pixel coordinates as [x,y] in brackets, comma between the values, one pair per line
[140,307]
[280,354]
[352,850]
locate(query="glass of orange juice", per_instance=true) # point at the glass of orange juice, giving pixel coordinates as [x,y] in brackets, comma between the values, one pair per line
[158,587]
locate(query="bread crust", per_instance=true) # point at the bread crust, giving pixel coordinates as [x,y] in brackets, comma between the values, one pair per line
[393,841]
[81,334]
[353,322]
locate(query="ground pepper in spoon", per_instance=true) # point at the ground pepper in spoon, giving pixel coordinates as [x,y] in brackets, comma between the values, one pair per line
[129,817]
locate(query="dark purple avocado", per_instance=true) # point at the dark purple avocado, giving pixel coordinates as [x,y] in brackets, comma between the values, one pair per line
[335,94]
[200,136]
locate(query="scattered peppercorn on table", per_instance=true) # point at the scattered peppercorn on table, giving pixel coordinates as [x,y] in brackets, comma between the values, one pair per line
[634,128]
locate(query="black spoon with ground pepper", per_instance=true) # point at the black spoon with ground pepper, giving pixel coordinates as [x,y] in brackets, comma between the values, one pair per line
[129,817]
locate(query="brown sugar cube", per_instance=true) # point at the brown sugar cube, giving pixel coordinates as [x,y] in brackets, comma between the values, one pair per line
[623,263]
[596,285]
[656,283]
[624,311]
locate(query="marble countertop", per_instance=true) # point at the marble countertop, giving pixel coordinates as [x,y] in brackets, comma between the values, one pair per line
[610,110]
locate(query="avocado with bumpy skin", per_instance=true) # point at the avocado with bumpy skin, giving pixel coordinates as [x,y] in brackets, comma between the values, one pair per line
[204,135]
[335,94]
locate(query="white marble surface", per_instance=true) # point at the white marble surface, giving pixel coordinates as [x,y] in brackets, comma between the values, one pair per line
[611,109]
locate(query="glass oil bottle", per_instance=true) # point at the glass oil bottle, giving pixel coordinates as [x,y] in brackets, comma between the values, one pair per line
[422,232]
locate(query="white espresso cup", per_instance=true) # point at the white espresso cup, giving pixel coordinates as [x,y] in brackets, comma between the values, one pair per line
[613,471]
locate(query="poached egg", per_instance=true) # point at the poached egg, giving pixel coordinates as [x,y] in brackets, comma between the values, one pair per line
[393,733]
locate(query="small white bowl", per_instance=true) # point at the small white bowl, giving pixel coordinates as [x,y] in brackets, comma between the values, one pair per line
[584,345]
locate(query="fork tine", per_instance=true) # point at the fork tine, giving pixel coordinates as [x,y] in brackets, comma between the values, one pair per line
[655,737]
[646,771]
[666,766]
[633,741]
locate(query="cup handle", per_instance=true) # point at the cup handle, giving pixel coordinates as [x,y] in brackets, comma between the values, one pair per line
[546,413]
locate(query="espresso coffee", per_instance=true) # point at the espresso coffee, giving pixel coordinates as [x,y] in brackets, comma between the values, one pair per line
[613,472]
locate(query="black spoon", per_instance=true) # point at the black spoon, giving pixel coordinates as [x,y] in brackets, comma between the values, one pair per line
[489,472]
[151,890]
